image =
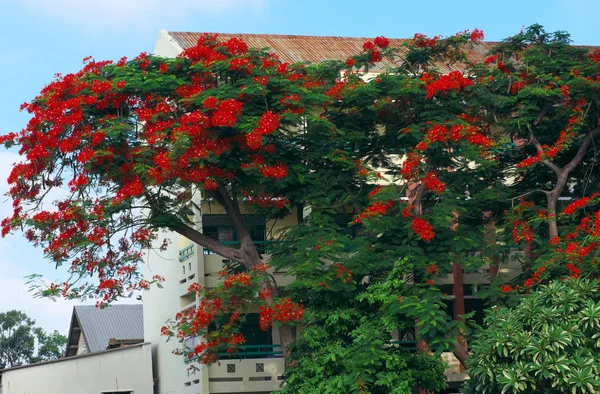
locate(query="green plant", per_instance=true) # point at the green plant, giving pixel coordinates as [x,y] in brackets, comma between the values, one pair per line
[548,343]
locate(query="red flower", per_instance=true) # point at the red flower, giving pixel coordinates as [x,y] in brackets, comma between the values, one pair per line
[211,102]
[432,182]
[477,35]
[381,42]
[575,205]
[421,145]
[521,232]
[574,272]
[350,62]
[423,229]
[227,113]
[277,171]
[376,209]
[506,288]
[432,269]
[452,81]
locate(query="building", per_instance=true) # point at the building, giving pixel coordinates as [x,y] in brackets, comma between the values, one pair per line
[105,354]
[258,369]
[123,370]
[92,329]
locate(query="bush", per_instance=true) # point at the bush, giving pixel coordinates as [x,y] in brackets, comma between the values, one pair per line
[548,343]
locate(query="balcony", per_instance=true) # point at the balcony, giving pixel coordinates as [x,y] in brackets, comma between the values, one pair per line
[186,253]
[262,247]
[254,368]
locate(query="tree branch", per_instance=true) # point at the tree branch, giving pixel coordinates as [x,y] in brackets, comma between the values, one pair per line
[207,242]
[534,141]
[233,210]
[583,148]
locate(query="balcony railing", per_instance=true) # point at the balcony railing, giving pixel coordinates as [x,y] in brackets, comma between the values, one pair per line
[411,346]
[253,351]
[262,247]
[186,252]
[274,351]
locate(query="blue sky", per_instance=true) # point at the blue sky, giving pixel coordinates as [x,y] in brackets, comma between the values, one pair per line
[39,38]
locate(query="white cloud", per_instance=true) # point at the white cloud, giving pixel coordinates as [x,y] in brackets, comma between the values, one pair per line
[116,12]
[47,314]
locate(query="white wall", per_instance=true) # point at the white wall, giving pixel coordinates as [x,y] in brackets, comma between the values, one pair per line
[159,306]
[166,46]
[122,369]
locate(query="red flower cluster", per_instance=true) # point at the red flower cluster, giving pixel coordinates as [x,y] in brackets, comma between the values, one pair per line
[267,124]
[433,183]
[574,272]
[335,92]
[241,279]
[564,138]
[372,48]
[284,311]
[521,232]
[454,81]
[410,166]
[381,42]
[423,229]
[535,278]
[422,41]
[276,171]
[378,208]
[554,240]
[506,288]
[594,55]
[227,113]
[343,273]
[476,35]
[432,269]
[575,205]
[292,103]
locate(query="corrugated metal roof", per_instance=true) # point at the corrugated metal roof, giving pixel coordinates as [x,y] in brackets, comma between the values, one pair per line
[115,321]
[315,49]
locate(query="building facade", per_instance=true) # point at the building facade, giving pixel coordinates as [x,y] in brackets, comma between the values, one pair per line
[259,367]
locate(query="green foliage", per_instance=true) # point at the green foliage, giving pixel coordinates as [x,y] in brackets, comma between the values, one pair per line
[548,343]
[50,346]
[18,337]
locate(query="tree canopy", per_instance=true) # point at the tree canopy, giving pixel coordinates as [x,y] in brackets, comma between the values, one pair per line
[439,165]
[21,342]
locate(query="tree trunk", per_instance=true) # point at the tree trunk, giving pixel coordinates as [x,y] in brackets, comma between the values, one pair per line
[460,347]
[287,335]
[490,241]
[552,223]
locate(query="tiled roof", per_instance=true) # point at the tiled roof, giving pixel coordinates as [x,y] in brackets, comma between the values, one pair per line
[315,49]
[115,321]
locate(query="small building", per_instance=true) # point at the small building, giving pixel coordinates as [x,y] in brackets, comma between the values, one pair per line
[123,370]
[92,329]
[105,354]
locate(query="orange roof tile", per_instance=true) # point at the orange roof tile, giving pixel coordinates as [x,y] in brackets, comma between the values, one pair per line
[315,49]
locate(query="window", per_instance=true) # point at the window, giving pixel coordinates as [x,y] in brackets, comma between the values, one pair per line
[220,228]
[252,332]
[258,344]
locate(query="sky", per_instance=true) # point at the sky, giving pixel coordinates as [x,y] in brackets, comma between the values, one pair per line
[39,38]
